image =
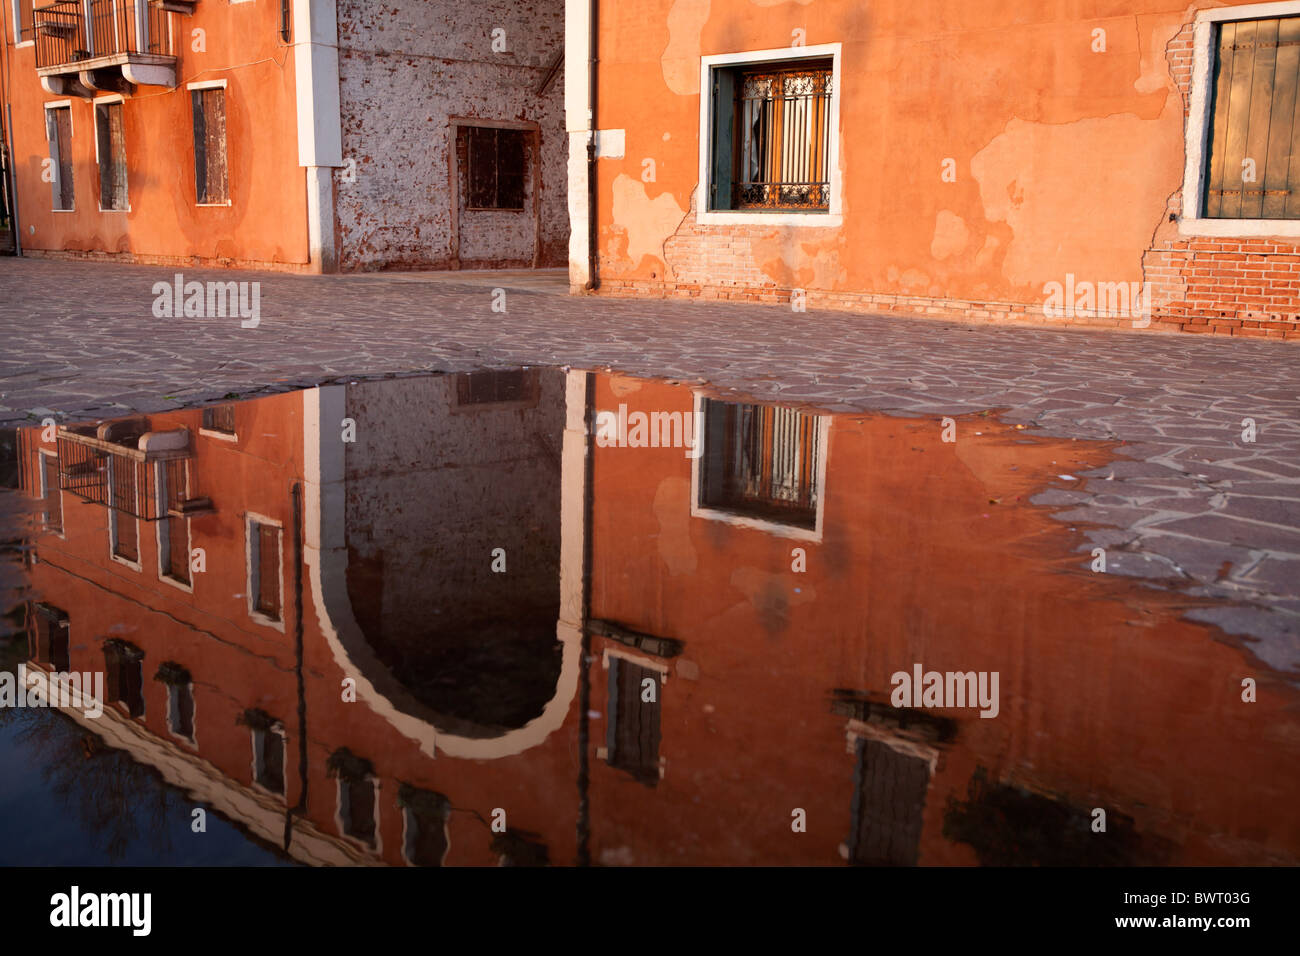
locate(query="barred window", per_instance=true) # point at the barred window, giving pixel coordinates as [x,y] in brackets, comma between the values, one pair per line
[1253,166]
[772,137]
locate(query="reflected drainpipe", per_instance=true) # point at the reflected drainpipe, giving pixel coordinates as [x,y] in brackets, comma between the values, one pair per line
[584,659]
[301,805]
[593,282]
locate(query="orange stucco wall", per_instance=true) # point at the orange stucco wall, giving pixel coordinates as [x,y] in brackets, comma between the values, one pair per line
[265,224]
[1067,161]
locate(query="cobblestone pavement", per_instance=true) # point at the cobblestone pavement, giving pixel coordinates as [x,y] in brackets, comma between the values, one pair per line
[1198,508]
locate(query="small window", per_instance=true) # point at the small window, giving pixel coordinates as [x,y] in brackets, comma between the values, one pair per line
[356,794]
[180,698]
[211,183]
[286,20]
[111,154]
[268,759]
[58,128]
[124,531]
[174,529]
[26,29]
[633,740]
[772,137]
[1253,166]
[51,494]
[494,163]
[124,675]
[496,387]
[425,817]
[219,418]
[264,570]
[889,805]
[762,462]
[47,638]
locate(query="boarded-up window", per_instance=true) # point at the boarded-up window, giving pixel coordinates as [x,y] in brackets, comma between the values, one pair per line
[762,461]
[122,507]
[58,129]
[111,152]
[889,804]
[219,418]
[494,163]
[266,569]
[52,495]
[771,137]
[48,637]
[211,183]
[1254,151]
[633,741]
[124,675]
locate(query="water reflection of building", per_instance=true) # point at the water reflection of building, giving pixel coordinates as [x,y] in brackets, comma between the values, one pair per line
[742,612]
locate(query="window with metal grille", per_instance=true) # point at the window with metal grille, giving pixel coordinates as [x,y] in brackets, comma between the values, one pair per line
[633,740]
[761,461]
[110,143]
[219,418]
[494,162]
[58,129]
[772,137]
[496,386]
[211,182]
[1253,163]
[265,571]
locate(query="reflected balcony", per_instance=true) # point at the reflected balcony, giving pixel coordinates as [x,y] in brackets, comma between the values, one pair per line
[85,46]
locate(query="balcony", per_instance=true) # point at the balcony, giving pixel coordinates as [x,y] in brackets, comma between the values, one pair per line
[83,46]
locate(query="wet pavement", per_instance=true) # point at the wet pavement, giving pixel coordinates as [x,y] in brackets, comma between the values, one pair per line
[528,616]
[1204,495]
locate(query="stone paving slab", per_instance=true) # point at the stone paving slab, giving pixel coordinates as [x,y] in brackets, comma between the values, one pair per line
[1198,507]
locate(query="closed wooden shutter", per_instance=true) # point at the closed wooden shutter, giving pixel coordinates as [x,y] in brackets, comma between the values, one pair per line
[1253,171]
[112,156]
[211,180]
[123,505]
[59,130]
[268,570]
[634,734]
[890,805]
[53,499]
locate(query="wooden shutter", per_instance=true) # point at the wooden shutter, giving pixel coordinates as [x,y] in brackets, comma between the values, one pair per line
[268,570]
[53,500]
[112,156]
[200,147]
[59,130]
[1256,118]
[123,504]
[211,182]
[890,805]
[634,743]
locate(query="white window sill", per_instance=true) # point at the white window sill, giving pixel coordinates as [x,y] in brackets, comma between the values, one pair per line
[1239,228]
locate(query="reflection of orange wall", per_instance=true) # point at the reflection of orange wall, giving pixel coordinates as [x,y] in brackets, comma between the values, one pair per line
[266,222]
[237,663]
[1107,698]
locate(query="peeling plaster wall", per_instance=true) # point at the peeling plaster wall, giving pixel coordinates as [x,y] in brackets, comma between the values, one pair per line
[1068,161]
[406,68]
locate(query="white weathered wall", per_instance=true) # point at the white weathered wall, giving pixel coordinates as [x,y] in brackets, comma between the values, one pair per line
[405,67]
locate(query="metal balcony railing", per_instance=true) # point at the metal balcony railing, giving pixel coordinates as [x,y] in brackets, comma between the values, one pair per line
[70,31]
[118,475]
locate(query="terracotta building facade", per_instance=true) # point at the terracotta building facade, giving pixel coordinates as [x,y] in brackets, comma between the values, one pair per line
[1135,168]
[297,135]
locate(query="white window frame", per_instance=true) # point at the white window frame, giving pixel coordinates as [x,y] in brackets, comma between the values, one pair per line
[776,528]
[94,119]
[163,532]
[45,494]
[1192,221]
[705,216]
[251,569]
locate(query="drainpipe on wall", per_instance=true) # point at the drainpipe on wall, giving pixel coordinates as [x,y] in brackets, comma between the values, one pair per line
[11,180]
[320,138]
[593,281]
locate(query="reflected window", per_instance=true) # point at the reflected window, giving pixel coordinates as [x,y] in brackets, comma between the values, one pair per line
[761,461]
[124,675]
[357,795]
[47,637]
[497,386]
[268,757]
[888,805]
[174,529]
[123,506]
[425,815]
[180,698]
[50,493]
[633,740]
[264,569]
[219,419]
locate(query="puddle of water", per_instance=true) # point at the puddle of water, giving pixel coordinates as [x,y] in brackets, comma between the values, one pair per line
[535,615]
